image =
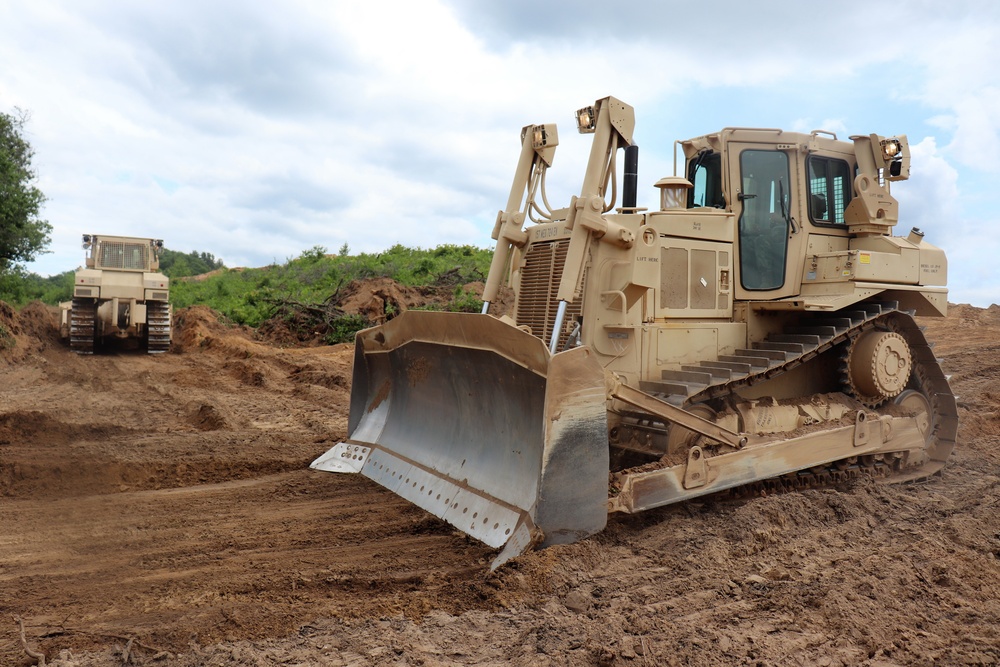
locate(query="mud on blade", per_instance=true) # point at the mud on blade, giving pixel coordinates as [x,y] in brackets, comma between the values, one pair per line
[473,420]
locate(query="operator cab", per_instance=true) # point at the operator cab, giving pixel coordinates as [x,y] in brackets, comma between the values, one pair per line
[757,174]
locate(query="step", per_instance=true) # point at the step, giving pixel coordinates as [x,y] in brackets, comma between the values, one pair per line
[738,368]
[856,316]
[666,391]
[718,374]
[668,388]
[791,348]
[686,376]
[809,341]
[753,362]
[840,324]
[823,332]
[773,355]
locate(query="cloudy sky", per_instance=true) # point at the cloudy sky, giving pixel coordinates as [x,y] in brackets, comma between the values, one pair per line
[256,130]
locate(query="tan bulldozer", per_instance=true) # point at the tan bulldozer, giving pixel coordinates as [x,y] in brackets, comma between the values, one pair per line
[119,294]
[756,330]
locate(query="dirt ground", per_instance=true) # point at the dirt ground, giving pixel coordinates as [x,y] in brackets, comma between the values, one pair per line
[159,510]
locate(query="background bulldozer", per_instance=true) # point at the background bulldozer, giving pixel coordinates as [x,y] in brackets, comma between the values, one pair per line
[757,329]
[119,294]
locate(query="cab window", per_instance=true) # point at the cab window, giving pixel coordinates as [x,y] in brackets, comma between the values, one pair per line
[705,173]
[829,190]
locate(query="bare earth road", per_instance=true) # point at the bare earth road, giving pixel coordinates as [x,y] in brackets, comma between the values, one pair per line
[159,511]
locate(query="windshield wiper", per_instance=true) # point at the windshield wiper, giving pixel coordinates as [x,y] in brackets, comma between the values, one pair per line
[789,220]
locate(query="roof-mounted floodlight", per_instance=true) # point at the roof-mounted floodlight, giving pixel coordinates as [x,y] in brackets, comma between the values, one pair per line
[895,154]
[891,148]
[539,137]
[543,140]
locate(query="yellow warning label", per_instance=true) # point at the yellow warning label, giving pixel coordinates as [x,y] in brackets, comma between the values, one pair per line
[865,258]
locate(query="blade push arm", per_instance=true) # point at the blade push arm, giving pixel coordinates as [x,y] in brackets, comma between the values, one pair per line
[611,121]
[538,147]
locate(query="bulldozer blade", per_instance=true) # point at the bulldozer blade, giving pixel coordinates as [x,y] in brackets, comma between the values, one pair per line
[473,420]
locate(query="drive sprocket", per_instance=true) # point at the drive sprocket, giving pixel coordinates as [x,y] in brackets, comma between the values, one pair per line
[877,366]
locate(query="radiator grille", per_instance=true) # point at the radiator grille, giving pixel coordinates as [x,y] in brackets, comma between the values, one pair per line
[118,255]
[536,300]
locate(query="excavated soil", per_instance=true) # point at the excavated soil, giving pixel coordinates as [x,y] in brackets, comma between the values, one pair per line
[158,510]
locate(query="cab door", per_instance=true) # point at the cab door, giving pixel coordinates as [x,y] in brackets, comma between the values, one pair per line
[769,251]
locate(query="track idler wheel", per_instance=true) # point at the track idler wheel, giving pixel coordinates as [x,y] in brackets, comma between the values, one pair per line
[879,364]
[915,403]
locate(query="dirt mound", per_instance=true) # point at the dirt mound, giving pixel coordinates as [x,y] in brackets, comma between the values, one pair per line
[25,333]
[964,326]
[502,305]
[364,303]
[964,315]
[41,323]
[359,304]
[200,327]
[283,332]
[379,299]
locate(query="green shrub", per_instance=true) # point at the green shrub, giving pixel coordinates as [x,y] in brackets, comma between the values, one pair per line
[7,339]
[344,328]
[465,301]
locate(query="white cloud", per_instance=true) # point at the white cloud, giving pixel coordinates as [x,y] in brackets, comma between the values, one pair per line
[254,130]
[961,80]
[928,199]
[932,200]
[976,141]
